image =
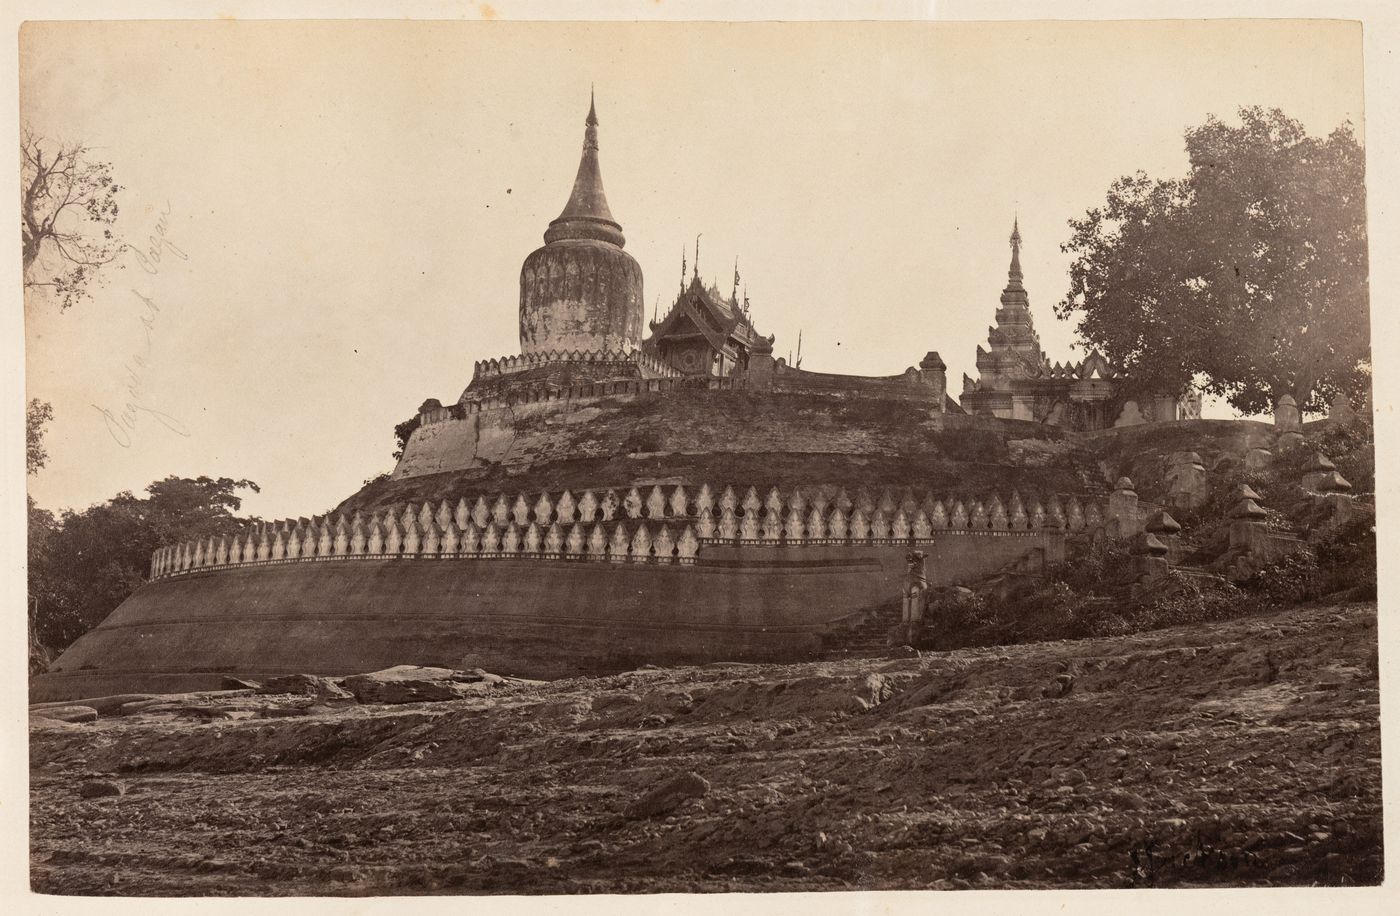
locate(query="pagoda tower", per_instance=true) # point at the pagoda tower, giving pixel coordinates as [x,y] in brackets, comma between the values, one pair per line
[581,291]
[1014,345]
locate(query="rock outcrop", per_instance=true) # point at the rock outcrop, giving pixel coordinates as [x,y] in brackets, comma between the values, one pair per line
[1243,753]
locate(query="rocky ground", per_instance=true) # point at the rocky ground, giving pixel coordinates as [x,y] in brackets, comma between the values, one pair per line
[1243,753]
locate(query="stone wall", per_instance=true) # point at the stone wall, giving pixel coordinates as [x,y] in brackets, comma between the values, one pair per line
[529,617]
[687,416]
[912,383]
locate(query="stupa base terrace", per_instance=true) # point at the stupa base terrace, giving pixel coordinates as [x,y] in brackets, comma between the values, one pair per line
[591,535]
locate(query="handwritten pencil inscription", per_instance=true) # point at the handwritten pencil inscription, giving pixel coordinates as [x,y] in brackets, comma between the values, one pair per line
[122,422]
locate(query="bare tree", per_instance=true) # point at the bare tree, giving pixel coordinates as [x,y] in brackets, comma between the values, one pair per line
[67,207]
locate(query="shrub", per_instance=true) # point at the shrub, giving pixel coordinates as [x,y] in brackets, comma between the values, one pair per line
[1100,562]
[1347,559]
[1047,612]
[1287,580]
[1184,599]
[1088,595]
[958,618]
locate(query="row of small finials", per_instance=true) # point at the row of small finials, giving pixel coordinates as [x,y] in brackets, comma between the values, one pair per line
[657,505]
[500,527]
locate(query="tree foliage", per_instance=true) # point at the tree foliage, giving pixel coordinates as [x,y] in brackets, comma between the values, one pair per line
[37,414]
[402,432]
[83,564]
[68,205]
[1250,272]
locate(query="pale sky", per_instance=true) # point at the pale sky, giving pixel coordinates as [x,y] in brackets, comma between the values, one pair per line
[355,201]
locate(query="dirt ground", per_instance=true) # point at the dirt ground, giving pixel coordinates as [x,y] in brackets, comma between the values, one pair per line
[1243,753]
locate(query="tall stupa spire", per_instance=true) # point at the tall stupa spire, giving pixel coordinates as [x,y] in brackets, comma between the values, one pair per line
[586,215]
[1014,274]
[581,291]
[1014,301]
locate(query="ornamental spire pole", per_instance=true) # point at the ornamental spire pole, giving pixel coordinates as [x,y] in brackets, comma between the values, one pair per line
[590,124]
[1015,272]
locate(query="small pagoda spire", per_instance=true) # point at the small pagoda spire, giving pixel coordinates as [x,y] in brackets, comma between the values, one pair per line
[1015,304]
[1014,273]
[590,124]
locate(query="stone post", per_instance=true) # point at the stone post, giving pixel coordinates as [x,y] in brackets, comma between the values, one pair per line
[935,376]
[1288,422]
[1161,409]
[1188,487]
[1330,490]
[1258,456]
[1149,558]
[915,596]
[915,586]
[1168,531]
[1248,533]
[1340,412]
[1123,520]
[759,373]
[1321,476]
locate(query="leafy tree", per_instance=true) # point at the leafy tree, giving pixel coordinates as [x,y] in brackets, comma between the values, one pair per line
[86,563]
[68,203]
[402,432]
[1250,272]
[41,528]
[41,522]
[36,414]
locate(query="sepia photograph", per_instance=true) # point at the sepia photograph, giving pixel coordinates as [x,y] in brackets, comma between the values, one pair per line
[536,458]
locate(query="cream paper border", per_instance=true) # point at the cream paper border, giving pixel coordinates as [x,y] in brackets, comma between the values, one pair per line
[1381,24]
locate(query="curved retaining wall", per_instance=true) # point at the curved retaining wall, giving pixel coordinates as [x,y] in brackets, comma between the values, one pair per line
[683,415]
[666,526]
[532,618]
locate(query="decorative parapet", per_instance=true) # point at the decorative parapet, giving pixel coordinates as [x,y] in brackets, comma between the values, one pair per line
[658,377]
[386,535]
[1093,366]
[508,365]
[653,525]
[652,366]
[928,382]
[584,391]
